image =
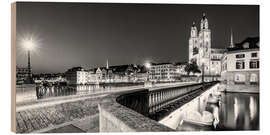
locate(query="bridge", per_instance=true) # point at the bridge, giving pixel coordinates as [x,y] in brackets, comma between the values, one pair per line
[157,109]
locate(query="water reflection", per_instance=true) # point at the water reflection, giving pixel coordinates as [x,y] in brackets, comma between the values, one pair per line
[236,108]
[235,111]
[239,111]
[54,91]
[252,108]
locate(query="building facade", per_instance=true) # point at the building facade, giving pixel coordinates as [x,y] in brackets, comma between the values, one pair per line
[215,61]
[240,63]
[162,72]
[76,75]
[180,70]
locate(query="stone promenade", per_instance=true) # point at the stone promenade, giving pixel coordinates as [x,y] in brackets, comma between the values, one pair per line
[33,120]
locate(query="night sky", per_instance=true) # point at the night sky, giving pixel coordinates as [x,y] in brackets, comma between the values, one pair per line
[87,34]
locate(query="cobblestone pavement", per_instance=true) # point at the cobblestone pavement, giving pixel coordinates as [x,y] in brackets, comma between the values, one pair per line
[88,124]
[32,120]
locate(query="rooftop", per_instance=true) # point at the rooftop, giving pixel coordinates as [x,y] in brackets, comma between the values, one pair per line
[248,43]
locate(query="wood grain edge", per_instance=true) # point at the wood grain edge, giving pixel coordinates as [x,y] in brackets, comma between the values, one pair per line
[13,67]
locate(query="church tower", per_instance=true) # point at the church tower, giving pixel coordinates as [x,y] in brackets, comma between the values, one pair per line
[193,43]
[205,45]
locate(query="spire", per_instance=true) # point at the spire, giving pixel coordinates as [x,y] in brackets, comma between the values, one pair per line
[193,24]
[204,15]
[107,66]
[231,43]
[204,22]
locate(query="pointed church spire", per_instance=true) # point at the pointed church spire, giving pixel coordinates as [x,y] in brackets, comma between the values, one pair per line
[193,24]
[231,43]
[107,66]
[204,15]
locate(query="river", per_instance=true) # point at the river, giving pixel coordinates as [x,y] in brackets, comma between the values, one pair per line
[236,111]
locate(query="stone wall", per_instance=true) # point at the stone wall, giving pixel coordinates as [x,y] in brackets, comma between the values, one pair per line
[114,117]
[174,119]
[127,111]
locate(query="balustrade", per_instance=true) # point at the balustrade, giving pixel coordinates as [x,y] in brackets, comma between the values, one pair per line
[162,97]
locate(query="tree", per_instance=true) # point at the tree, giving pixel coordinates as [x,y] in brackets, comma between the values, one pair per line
[192,67]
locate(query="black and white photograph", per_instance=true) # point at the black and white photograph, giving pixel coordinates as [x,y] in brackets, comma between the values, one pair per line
[85,67]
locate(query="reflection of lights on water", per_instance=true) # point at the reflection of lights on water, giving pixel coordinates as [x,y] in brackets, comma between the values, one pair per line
[236,108]
[216,116]
[252,107]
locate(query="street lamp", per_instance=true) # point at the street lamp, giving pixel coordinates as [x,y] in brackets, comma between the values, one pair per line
[29,45]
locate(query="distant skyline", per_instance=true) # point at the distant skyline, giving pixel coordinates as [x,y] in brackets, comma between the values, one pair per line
[87,34]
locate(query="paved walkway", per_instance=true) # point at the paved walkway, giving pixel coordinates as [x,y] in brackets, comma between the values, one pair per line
[35,119]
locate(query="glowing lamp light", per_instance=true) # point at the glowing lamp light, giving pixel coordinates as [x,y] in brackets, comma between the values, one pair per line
[147,65]
[28,44]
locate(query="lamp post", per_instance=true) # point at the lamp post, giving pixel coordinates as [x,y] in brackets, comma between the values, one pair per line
[28,46]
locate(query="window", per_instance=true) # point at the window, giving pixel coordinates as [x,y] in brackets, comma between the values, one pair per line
[254,64]
[240,55]
[253,54]
[239,78]
[240,65]
[253,78]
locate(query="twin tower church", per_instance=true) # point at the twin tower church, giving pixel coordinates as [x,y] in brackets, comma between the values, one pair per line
[200,50]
